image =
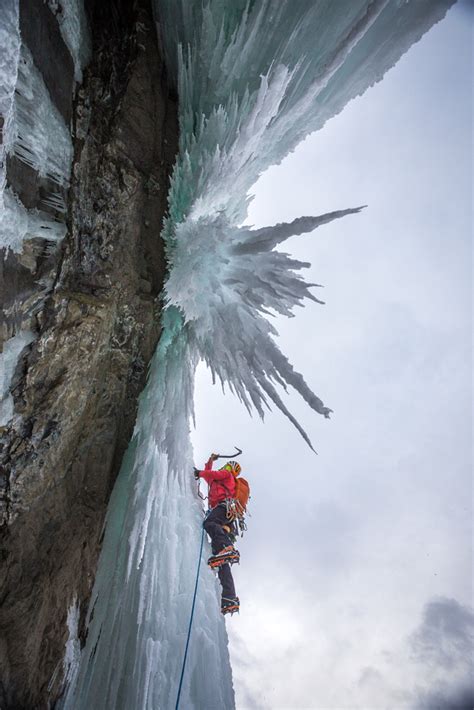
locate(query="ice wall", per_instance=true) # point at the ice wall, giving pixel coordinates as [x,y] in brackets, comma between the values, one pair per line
[34,131]
[141,603]
[38,136]
[9,58]
[72,20]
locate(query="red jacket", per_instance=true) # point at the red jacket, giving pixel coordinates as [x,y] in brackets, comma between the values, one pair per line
[221,484]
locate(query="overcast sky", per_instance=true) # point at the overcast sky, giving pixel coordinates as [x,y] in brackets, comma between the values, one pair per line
[355,580]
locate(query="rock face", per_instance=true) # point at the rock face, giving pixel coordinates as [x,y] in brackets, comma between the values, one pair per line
[93,306]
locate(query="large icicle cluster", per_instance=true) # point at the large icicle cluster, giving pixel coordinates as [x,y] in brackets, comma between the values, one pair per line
[33,128]
[227,281]
[254,79]
[38,136]
[42,139]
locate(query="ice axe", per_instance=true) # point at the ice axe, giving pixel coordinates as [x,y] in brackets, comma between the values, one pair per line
[227,456]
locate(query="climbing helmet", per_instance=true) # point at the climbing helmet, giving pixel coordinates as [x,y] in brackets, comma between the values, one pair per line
[234,467]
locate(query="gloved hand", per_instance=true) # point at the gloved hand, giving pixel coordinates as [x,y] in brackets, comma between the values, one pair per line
[196,473]
[214,457]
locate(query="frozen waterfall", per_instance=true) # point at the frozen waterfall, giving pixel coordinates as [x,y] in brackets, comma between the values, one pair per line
[139,611]
[254,78]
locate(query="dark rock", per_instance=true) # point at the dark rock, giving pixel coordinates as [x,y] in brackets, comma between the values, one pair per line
[96,314]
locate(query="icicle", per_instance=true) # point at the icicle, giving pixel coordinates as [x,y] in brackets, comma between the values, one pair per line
[10,43]
[35,132]
[254,81]
[17,224]
[41,139]
[72,651]
[12,350]
[72,20]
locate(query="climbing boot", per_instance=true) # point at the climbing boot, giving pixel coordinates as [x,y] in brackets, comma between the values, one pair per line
[230,606]
[229,555]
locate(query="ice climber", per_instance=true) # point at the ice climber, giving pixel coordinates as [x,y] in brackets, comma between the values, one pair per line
[220,527]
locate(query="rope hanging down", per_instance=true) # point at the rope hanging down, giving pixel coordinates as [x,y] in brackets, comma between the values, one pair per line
[190,621]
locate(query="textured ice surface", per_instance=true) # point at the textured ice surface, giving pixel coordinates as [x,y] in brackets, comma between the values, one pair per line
[227,280]
[36,133]
[10,43]
[254,78]
[143,591]
[17,223]
[72,20]
[12,349]
[41,137]
[73,645]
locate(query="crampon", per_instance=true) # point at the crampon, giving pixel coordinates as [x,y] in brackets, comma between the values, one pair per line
[229,555]
[230,606]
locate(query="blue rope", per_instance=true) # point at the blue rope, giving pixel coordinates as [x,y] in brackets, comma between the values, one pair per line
[190,621]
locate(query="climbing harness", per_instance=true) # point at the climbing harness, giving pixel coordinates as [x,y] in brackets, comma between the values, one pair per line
[235,514]
[233,509]
[191,617]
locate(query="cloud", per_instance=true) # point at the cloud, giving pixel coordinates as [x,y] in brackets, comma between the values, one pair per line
[446,635]
[431,669]
[457,697]
[443,644]
[369,676]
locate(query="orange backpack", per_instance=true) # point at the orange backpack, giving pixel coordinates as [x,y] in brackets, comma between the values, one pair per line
[241,495]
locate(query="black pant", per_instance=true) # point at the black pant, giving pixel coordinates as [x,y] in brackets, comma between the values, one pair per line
[219,539]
